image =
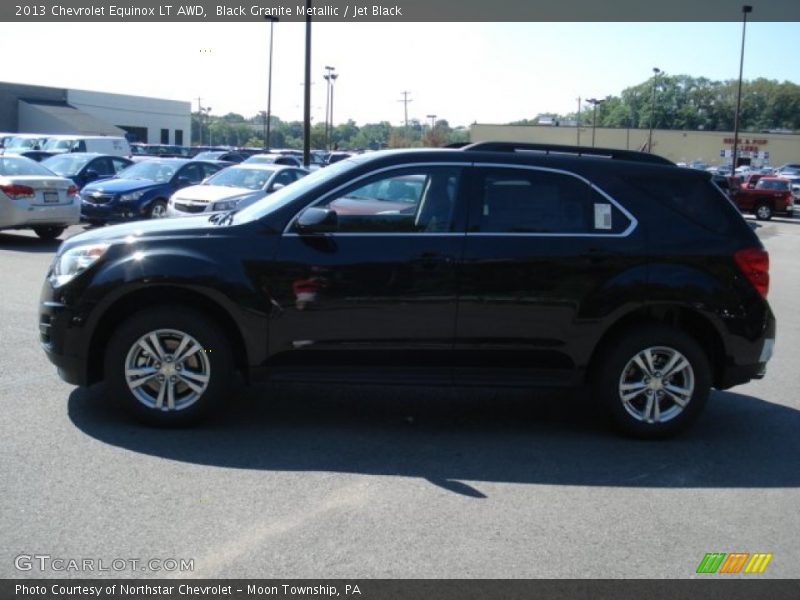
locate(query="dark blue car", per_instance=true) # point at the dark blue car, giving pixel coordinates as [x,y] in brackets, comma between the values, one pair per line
[85,167]
[142,190]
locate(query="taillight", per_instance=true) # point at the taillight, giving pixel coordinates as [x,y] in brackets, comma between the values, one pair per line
[754,264]
[72,190]
[16,191]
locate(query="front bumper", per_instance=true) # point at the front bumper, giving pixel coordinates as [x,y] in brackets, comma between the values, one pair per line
[114,211]
[59,329]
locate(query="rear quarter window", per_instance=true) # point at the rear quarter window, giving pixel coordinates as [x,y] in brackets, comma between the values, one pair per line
[696,199]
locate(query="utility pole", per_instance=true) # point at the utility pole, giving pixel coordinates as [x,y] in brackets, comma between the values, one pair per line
[200,120]
[594,102]
[745,11]
[272,20]
[656,71]
[433,121]
[328,124]
[405,102]
[307,98]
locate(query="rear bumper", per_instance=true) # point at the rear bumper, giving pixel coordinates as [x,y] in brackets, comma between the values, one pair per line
[20,213]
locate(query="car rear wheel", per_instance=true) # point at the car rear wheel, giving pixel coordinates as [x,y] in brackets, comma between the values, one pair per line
[158,210]
[49,233]
[763,212]
[653,382]
[168,365]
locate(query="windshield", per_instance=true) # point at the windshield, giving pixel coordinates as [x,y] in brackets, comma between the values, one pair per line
[262,159]
[154,170]
[12,165]
[55,145]
[253,179]
[208,155]
[289,193]
[65,164]
[24,143]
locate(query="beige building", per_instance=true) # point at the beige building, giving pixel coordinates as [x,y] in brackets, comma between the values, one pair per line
[710,147]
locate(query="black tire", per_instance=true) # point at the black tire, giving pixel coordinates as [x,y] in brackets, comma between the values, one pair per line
[50,232]
[158,209]
[616,367]
[763,212]
[214,360]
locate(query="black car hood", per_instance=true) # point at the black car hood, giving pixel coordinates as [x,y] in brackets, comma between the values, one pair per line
[141,229]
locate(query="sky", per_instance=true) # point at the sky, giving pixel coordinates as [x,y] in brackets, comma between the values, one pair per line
[462,72]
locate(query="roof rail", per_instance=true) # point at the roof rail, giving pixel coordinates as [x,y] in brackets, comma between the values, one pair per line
[568,150]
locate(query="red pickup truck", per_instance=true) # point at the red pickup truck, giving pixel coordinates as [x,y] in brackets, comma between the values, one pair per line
[770,195]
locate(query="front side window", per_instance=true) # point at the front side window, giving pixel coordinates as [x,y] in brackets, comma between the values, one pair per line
[405,201]
[542,202]
[102,166]
[65,164]
[772,184]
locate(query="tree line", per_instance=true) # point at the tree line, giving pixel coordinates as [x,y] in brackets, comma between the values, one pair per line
[234,129]
[681,102]
[694,103]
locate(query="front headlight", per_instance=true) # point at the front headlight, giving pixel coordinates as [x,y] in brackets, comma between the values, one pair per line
[224,205]
[75,261]
[132,196]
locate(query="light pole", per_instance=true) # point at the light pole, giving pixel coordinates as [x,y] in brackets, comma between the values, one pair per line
[204,110]
[745,10]
[327,78]
[579,121]
[334,77]
[594,102]
[307,92]
[264,122]
[272,20]
[656,71]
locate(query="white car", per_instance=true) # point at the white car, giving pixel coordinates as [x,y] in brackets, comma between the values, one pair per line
[233,187]
[32,196]
[273,159]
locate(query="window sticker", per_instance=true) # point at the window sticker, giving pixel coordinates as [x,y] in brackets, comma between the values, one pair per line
[602,216]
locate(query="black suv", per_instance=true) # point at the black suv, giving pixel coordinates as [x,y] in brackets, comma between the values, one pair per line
[494,264]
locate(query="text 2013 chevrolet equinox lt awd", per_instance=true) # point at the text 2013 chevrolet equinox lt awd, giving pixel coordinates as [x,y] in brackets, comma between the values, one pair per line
[495,264]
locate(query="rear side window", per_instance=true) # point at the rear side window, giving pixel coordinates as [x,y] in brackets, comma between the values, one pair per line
[697,199]
[543,202]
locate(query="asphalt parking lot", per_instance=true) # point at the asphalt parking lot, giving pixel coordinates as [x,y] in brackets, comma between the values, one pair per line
[304,481]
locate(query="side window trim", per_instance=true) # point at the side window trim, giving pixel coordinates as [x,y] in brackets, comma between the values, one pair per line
[633,222]
[332,195]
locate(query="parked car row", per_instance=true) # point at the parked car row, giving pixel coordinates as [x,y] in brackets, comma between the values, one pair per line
[100,189]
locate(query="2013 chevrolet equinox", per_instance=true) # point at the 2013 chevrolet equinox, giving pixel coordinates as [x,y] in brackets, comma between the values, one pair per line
[494,264]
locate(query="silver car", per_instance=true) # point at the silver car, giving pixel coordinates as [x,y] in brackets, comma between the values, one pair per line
[234,187]
[32,196]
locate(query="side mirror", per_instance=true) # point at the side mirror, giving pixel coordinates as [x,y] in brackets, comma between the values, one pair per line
[184,181]
[91,175]
[317,220]
[275,187]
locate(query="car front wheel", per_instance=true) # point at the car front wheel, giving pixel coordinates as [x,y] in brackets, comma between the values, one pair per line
[168,365]
[159,209]
[654,382]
